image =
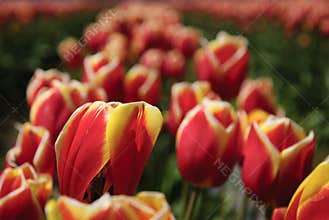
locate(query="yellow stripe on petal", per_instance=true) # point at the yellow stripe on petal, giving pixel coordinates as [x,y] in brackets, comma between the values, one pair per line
[313,183]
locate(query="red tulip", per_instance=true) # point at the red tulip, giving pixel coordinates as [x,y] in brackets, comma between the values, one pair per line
[23,193]
[310,200]
[173,64]
[95,36]
[224,63]
[142,84]
[104,147]
[206,136]
[41,81]
[53,107]
[184,39]
[71,52]
[104,72]
[257,94]
[184,96]
[277,157]
[279,213]
[153,58]
[143,206]
[33,146]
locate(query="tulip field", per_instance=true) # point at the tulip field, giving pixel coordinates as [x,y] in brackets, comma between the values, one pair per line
[166,111]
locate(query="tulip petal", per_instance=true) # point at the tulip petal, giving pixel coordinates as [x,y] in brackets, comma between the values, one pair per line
[295,165]
[131,132]
[261,162]
[77,145]
[279,213]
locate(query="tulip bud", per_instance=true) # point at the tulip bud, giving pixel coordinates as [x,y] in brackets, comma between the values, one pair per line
[257,94]
[310,200]
[100,71]
[142,84]
[23,193]
[116,46]
[145,205]
[120,137]
[53,107]
[206,144]
[33,146]
[224,63]
[173,64]
[41,81]
[95,36]
[71,52]
[277,157]
[184,96]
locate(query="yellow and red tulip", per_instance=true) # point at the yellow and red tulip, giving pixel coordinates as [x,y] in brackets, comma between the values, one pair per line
[143,206]
[277,156]
[184,96]
[23,193]
[101,71]
[104,147]
[310,200]
[206,136]
[257,94]
[142,84]
[53,107]
[224,63]
[41,81]
[71,52]
[33,146]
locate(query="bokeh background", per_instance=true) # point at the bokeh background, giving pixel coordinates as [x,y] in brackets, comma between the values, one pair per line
[284,47]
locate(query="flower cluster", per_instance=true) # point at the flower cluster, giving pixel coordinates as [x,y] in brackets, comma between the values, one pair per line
[94,137]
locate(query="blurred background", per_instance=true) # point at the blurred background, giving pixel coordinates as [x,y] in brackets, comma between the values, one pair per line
[288,41]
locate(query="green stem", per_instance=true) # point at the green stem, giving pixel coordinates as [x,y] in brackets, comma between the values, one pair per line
[242,212]
[191,205]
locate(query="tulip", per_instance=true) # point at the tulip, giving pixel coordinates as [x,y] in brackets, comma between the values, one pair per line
[33,146]
[257,94]
[143,206]
[153,58]
[224,63]
[310,201]
[146,35]
[52,108]
[142,84]
[184,96]
[104,147]
[95,36]
[71,52]
[117,46]
[104,72]
[23,193]
[41,81]
[277,157]
[279,213]
[206,138]
[173,64]
[184,39]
